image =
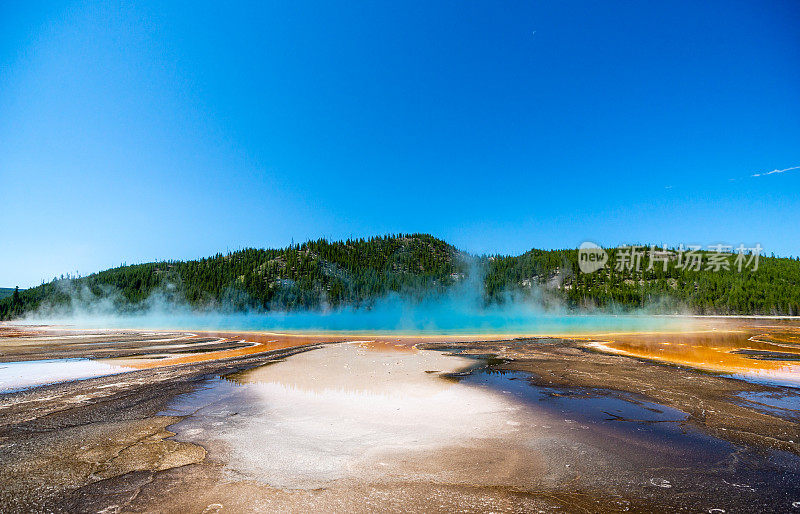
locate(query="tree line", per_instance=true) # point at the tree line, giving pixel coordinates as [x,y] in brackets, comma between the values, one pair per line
[357,272]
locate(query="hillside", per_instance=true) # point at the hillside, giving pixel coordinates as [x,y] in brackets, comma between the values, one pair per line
[772,289]
[321,274]
[310,275]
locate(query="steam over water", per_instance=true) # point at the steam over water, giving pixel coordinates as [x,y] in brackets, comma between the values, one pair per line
[430,319]
[460,310]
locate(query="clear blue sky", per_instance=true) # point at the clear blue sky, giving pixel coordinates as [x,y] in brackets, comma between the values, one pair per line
[135,131]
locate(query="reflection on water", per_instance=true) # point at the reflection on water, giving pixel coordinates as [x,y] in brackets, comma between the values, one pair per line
[337,411]
[15,376]
[749,353]
[657,442]
[645,430]
[378,370]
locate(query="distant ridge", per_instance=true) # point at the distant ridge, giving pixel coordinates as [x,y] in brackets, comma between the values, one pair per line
[5,292]
[322,274]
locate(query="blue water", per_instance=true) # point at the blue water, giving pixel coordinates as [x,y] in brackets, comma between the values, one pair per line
[392,319]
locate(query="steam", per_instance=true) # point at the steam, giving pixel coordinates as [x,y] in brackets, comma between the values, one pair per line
[461,308]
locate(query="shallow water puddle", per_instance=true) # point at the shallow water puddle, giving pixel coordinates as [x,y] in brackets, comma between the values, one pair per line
[637,428]
[16,376]
[341,411]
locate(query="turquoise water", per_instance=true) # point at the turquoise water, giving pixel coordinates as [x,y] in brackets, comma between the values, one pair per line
[409,319]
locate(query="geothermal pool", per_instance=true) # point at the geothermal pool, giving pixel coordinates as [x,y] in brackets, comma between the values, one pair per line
[446,318]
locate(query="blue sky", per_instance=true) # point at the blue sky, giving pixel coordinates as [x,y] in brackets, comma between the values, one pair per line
[132,132]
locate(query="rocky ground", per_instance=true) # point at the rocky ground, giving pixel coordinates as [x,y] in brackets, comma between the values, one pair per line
[104,444]
[105,432]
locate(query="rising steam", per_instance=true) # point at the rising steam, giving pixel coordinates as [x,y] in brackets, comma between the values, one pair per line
[460,309]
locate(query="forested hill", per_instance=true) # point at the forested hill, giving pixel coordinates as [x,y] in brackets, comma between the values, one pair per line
[311,275]
[322,274]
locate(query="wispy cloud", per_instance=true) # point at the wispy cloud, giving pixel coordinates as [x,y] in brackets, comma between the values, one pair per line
[773,172]
[756,175]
